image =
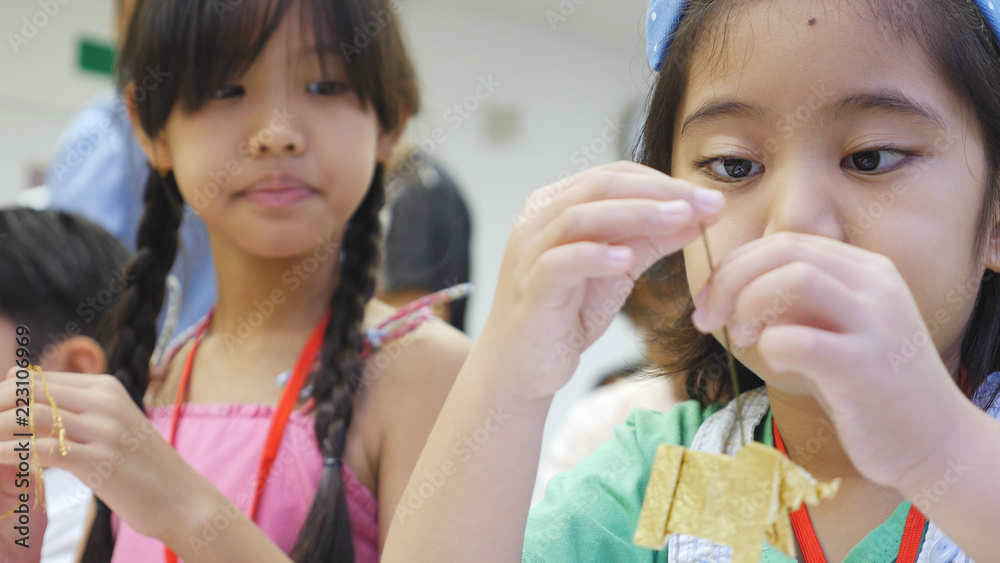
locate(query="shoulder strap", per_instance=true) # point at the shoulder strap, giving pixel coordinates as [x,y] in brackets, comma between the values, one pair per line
[158,369]
[408,318]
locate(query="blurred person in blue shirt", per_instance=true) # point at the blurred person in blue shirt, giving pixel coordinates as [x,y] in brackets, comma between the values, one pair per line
[100,172]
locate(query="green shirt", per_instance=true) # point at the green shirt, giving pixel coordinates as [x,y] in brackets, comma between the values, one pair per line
[590,512]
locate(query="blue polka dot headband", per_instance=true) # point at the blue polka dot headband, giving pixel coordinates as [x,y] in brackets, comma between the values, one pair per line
[664,15]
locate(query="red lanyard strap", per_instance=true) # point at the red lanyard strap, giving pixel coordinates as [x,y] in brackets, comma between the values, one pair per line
[805,533]
[289,397]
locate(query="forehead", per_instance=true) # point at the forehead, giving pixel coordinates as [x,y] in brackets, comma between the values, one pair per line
[781,54]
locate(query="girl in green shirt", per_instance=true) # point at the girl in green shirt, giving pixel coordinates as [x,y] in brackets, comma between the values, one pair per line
[845,156]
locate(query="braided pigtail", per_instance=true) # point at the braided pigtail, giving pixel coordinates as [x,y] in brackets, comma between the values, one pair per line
[135,318]
[326,535]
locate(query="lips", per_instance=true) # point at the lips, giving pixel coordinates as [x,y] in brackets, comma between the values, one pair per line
[277,191]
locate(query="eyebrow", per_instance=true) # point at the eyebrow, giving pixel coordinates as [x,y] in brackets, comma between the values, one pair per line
[315,48]
[885,101]
[714,110]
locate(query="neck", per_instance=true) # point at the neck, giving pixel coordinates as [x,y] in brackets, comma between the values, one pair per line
[263,297]
[810,436]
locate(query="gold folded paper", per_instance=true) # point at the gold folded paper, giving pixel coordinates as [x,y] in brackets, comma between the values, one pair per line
[738,501]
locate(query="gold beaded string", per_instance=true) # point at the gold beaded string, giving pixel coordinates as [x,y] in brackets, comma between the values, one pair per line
[58,430]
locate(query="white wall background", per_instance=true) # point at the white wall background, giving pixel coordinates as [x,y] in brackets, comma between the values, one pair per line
[560,82]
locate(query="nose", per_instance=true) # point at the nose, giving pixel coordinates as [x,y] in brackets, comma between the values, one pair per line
[277,135]
[807,200]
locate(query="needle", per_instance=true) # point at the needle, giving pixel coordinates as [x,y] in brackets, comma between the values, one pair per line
[725,344]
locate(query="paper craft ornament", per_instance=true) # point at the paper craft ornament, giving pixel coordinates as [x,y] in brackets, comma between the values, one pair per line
[740,500]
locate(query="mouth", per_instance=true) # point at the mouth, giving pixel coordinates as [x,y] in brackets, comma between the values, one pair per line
[277,191]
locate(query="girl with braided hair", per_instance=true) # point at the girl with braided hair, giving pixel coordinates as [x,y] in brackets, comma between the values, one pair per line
[271,120]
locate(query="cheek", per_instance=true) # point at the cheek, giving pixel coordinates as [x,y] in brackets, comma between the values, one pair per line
[696,266]
[205,176]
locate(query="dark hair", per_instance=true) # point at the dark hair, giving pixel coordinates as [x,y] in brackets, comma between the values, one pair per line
[199,45]
[959,43]
[59,275]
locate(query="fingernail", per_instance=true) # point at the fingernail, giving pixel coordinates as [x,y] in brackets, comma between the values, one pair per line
[699,300]
[709,200]
[698,318]
[675,209]
[619,255]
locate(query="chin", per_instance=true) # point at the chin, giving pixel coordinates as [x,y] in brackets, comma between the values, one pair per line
[280,247]
[789,382]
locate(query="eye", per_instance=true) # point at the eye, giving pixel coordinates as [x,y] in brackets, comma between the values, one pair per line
[327,88]
[228,91]
[730,169]
[876,161]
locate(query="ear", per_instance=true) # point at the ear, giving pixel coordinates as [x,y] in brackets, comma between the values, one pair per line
[78,354]
[155,149]
[387,140]
[993,249]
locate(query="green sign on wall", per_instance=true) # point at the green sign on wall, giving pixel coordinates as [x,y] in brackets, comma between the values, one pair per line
[96,56]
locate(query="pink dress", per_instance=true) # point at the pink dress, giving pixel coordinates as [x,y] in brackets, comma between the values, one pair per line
[223,442]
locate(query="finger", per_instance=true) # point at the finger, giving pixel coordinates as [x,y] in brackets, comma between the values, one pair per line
[67,393]
[67,379]
[615,183]
[797,293]
[560,270]
[735,272]
[615,220]
[79,427]
[809,351]
[78,380]
[21,453]
[649,250]
[802,243]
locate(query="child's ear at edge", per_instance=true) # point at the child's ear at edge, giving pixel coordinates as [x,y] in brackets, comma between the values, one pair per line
[387,140]
[155,149]
[78,354]
[993,246]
